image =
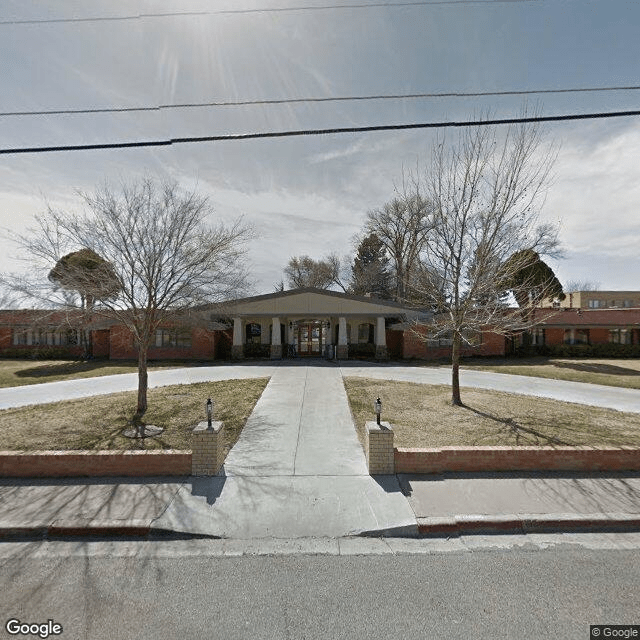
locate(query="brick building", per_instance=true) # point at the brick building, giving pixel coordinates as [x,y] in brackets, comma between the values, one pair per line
[307,322]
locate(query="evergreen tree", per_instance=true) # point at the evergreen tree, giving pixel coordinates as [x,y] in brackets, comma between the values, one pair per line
[370,271]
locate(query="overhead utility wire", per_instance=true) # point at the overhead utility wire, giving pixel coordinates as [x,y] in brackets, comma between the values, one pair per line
[238,103]
[326,7]
[317,132]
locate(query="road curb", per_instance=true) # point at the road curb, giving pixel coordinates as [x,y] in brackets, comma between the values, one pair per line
[526,523]
[56,531]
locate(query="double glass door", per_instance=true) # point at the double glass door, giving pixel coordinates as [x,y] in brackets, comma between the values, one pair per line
[310,339]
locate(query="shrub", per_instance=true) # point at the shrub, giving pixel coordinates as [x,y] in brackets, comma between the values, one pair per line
[253,350]
[364,350]
[39,353]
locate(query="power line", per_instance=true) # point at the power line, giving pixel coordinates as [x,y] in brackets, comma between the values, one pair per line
[326,7]
[391,96]
[317,132]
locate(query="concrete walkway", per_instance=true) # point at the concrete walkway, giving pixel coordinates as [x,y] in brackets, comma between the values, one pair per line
[297,470]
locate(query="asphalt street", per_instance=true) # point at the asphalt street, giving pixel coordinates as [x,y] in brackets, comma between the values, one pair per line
[463,592]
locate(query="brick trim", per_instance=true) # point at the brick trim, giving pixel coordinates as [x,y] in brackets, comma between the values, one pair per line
[454,459]
[60,464]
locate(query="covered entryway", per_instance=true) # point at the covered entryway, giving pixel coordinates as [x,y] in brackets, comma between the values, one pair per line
[310,322]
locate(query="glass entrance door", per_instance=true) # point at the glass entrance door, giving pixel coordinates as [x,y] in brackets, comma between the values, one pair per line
[310,339]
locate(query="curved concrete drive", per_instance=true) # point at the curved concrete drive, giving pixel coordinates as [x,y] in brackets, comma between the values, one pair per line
[580,392]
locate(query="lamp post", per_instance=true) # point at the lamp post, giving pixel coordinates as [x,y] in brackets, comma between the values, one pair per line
[377,405]
[209,413]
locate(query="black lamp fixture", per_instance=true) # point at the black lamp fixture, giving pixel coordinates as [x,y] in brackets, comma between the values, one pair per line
[377,405]
[209,412]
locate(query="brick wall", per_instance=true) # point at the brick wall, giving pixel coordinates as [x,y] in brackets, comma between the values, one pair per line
[515,459]
[203,346]
[100,340]
[394,343]
[60,464]
[414,346]
[5,337]
[597,335]
[554,335]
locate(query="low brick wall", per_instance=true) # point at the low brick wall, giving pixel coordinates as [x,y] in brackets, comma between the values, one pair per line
[60,464]
[515,459]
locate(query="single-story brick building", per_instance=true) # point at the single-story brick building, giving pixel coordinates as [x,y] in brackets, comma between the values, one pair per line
[307,322]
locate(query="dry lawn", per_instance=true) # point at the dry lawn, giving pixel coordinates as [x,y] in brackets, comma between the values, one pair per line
[614,373]
[422,416]
[97,423]
[15,372]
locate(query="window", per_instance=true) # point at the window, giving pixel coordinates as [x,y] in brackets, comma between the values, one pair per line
[576,336]
[69,337]
[628,303]
[538,337]
[20,336]
[620,336]
[365,333]
[597,304]
[444,339]
[173,338]
[253,333]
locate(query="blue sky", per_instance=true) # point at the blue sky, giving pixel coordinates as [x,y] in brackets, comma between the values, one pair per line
[310,195]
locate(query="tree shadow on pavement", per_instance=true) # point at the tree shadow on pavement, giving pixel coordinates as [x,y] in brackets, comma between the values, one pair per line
[41,578]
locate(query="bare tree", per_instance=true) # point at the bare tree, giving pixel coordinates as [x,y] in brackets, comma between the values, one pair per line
[484,191]
[581,285]
[303,271]
[164,255]
[402,225]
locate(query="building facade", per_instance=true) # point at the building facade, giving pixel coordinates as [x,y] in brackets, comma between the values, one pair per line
[307,323]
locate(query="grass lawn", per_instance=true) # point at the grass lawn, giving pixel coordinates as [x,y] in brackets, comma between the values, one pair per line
[613,373]
[15,373]
[97,422]
[421,417]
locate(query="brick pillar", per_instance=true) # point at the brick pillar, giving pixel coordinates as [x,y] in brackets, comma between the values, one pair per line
[207,449]
[379,448]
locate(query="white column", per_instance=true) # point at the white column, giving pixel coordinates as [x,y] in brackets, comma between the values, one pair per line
[275,332]
[380,335]
[237,332]
[264,331]
[342,331]
[329,337]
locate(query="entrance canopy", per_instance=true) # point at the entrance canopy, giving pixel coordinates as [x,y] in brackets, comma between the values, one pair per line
[310,321]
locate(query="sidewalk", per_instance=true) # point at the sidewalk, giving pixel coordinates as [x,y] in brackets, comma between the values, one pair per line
[444,506]
[454,504]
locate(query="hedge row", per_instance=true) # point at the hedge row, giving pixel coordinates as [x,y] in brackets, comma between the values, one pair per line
[41,353]
[600,350]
